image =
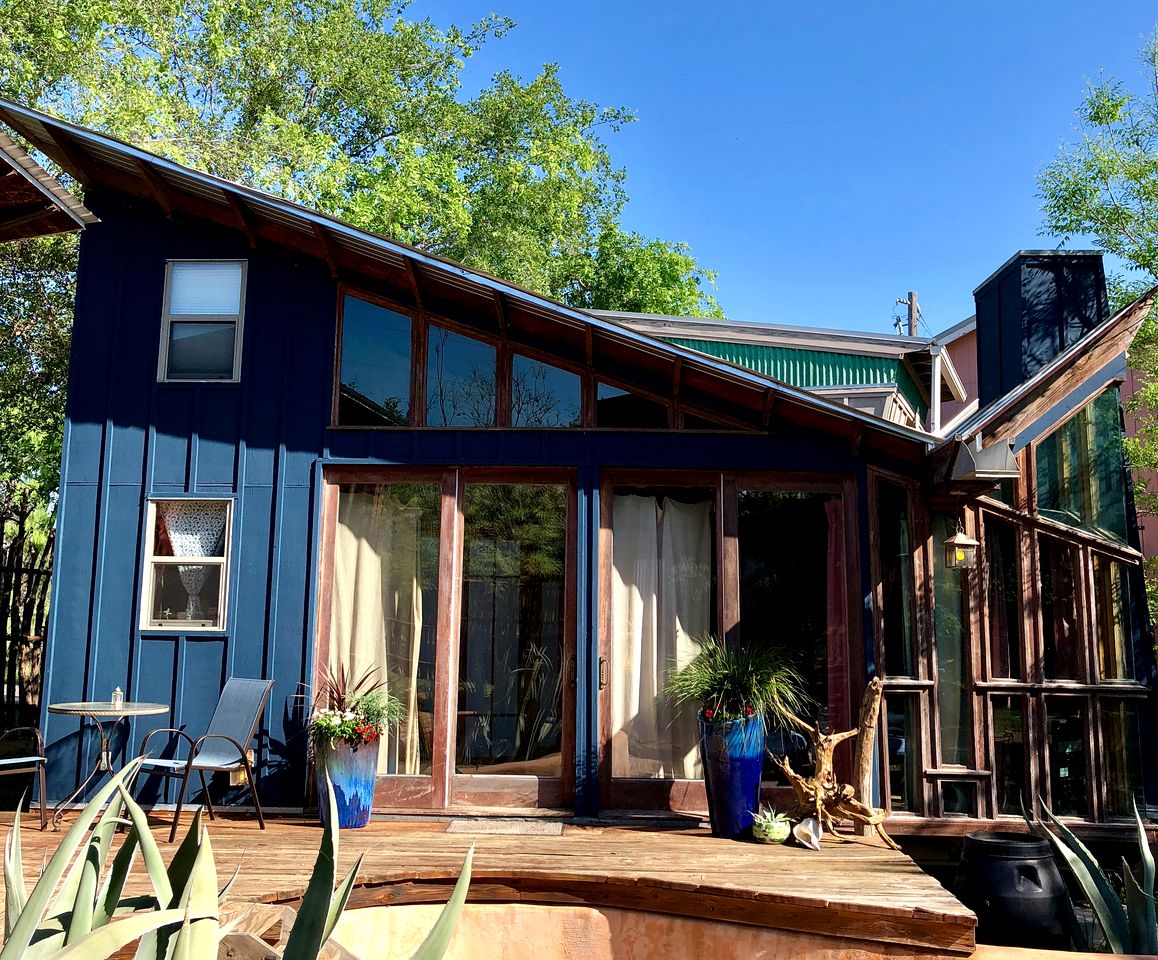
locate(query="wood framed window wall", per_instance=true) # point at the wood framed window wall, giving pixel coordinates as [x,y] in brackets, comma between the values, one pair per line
[745,556]
[401,367]
[458,587]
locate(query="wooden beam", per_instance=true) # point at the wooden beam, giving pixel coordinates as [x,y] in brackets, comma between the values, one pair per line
[245,218]
[857,438]
[329,251]
[75,161]
[766,410]
[27,213]
[500,313]
[415,286]
[156,185]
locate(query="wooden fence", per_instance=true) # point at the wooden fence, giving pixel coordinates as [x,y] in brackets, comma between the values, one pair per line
[25,573]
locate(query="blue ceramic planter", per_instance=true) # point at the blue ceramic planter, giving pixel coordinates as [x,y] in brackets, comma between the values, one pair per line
[732,753]
[352,771]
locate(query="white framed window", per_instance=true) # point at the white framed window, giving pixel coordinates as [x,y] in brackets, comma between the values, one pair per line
[201,320]
[186,565]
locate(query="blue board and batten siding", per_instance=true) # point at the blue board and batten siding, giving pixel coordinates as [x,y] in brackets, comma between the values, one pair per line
[263,443]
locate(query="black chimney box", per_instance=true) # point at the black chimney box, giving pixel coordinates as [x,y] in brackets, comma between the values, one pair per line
[1035,306]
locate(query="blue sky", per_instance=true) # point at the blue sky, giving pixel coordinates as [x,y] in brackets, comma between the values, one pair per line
[825,158]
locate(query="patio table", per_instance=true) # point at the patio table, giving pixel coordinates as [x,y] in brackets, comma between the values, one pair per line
[99,712]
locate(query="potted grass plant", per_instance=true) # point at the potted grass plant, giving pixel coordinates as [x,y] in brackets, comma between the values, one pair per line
[351,713]
[739,689]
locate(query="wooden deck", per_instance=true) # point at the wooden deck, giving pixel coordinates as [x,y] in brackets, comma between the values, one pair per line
[852,891]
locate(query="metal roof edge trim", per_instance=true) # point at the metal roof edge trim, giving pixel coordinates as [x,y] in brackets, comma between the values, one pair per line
[485,280]
[21,162]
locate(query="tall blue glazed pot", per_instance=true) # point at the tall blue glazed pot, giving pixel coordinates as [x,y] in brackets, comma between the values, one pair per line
[352,772]
[732,754]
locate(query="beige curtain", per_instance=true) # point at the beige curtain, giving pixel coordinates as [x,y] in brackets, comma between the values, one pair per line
[661,599]
[376,619]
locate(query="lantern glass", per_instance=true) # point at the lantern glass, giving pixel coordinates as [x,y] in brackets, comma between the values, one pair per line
[960,551]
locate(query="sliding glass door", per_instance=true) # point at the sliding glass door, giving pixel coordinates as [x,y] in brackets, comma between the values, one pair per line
[747,559]
[455,590]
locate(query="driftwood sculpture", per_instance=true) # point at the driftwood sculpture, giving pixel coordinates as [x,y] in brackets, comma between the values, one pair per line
[820,795]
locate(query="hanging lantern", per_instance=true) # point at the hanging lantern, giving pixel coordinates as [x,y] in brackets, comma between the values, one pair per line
[960,550]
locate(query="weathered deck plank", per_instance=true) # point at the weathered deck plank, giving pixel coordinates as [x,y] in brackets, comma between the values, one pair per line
[852,891]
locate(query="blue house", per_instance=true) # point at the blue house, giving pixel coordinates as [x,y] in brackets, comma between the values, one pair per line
[293,444]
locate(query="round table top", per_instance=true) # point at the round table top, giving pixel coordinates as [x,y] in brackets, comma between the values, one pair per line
[105,708]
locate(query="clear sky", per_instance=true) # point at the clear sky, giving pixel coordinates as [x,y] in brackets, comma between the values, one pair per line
[825,158]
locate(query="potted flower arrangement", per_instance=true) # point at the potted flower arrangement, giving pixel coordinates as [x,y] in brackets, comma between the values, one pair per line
[739,689]
[350,714]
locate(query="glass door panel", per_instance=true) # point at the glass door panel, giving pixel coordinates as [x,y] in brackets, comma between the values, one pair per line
[662,590]
[383,607]
[511,648]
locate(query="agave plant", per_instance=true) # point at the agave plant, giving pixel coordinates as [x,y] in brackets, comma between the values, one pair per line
[1129,927]
[68,914]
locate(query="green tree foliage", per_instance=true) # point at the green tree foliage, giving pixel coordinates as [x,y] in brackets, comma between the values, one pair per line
[348,106]
[1104,185]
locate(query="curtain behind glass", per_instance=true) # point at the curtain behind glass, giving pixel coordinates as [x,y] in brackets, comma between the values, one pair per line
[661,599]
[376,619]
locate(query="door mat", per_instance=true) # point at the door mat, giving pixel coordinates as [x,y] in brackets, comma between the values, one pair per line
[507,828]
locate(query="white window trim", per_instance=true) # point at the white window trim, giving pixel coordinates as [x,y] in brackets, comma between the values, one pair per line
[167,319]
[151,561]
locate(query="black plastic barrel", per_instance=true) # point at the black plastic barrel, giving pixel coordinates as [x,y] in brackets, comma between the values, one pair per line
[1011,882]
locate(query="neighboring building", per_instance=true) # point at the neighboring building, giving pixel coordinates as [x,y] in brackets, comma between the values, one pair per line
[292,443]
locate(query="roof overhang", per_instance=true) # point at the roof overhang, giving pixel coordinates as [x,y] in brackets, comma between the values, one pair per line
[442,288]
[32,201]
[1001,425]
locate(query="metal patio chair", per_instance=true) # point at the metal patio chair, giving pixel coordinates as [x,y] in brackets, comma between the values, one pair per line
[224,747]
[28,763]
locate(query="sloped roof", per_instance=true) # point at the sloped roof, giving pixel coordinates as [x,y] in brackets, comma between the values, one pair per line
[32,201]
[441,287]
[828,356]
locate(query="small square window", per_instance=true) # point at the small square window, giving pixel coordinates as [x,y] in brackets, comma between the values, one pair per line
[186,565]
[201,323]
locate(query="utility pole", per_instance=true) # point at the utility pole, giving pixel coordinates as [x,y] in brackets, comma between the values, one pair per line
[914,313]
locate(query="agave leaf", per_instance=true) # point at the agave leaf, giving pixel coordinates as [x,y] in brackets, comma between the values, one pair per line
[198,938]
[181,866]
[1147,858]
[150,852]
[307,936]
[84,901]
[41,896]
[1139,908]
[107,940]
[15,889]
[109,900]
[224,892]
[436,942]
[339,899]
[1090,877]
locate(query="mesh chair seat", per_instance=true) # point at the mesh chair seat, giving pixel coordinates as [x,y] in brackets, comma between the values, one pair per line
[28,763]
[224,746]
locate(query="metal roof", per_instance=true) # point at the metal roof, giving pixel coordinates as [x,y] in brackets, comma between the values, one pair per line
[32,201]
[811,369]
[702,382]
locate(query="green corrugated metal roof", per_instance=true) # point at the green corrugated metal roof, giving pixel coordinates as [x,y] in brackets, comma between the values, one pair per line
[812,368]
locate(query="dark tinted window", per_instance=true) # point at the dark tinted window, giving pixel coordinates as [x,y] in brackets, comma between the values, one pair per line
[375,367]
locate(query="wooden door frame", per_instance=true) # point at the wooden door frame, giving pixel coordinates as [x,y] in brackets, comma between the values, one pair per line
[443,789]
[844,692]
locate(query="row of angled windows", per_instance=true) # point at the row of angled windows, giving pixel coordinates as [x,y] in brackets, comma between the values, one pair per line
[382,382]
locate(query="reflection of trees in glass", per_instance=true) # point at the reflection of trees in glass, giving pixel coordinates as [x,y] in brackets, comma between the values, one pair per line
[539,395]
[510,668]
[460,390]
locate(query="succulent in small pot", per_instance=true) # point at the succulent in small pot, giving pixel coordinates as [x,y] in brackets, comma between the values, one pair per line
[769,826]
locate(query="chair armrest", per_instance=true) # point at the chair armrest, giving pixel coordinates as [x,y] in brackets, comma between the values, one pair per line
[35,731]
[149,736]
[218,736]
